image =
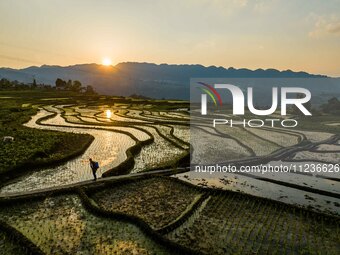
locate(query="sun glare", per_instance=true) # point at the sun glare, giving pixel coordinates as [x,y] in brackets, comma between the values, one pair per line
[106,61]
[108,114]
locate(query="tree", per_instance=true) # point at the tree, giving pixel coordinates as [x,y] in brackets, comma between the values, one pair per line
[332,106]
[34,83]
[69,85]
[60,84]
[76,86]
[89,90]
[5,84]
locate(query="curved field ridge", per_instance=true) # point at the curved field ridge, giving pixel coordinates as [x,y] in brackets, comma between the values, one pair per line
[108,148]
[159,154]
[279,138]
[222,147]
[167,156]
[14,242]
[258,145]
[60,225]
[318,156]
[319,192]
[119,147]
[328,148]
[223,222]
[145,214]
[231,224]
[139,198]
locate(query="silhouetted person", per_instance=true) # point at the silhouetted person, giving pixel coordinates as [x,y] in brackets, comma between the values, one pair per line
[94,166]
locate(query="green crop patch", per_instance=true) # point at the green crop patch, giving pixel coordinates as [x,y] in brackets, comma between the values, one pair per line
[32,148]
[60,225]
[234,224]
[156,201]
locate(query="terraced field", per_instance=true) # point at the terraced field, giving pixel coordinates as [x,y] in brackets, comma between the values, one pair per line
[134,209]
[269,147]
[121,144]
[60,225]
[162,215]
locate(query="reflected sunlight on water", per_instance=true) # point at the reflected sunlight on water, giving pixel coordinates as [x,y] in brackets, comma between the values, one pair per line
[108,114]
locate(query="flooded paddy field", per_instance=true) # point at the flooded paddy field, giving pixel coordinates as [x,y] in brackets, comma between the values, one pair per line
[137,212]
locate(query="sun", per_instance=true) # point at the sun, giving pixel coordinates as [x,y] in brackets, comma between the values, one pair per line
[106,61]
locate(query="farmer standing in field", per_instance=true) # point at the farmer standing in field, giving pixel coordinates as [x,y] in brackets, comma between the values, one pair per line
[94,166]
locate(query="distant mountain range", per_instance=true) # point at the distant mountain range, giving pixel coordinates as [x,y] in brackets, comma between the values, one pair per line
[157,81]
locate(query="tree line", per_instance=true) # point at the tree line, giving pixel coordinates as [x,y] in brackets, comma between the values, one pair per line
[74,86]
[332,106]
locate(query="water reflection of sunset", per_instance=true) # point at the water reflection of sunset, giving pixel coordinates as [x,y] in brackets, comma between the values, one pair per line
[108,114]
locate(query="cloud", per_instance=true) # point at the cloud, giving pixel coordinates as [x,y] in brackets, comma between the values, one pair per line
[325,26]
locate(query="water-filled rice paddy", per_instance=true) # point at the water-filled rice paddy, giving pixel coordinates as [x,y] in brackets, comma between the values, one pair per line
[154,215]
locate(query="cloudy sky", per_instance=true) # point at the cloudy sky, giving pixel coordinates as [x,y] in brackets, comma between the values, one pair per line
[282,34]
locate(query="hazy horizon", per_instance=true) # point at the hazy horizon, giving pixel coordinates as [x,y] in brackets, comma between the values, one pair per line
[300,35]
[135,62]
